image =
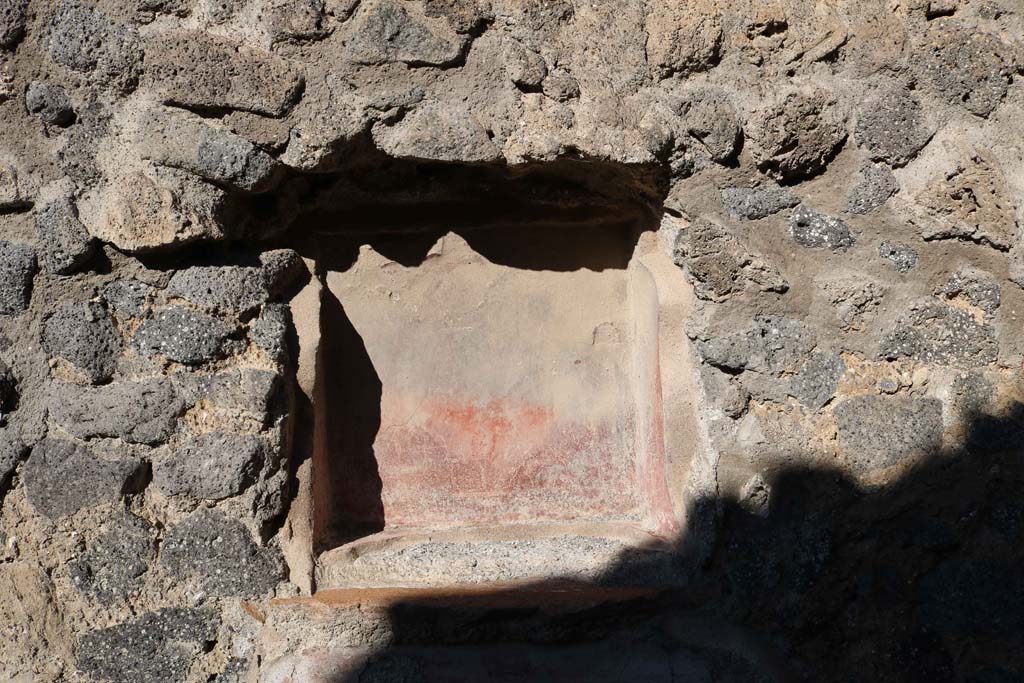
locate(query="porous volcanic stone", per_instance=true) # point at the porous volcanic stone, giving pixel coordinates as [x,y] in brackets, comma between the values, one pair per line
[183,335]
[112,566]
[719,265]
[12,21]
[810,228]
[221,74]
[877,184]
[237,288]
[892,127]
[816,383]
[210,466]
[144,411]
[84,39]
[127,296]
[17,268]
[158,647]
[64,242]
[880,431]
[83,334]
[12,450]
[62,477]
[902,257]
[794,136]
[933,332]
[218,554]
[752,203]
[51,103]
[270,330]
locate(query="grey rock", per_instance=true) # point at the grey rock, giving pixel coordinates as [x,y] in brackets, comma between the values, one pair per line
[269,331]
[778,343]
[210,466]
[560,86]
[972,395]
[880,431]
[12,22]
[158,647]
[931,332]
[183,335]
[753,203]
[17,268]
[80,144]
[139,412]
[238,288]
[127,296]
[795,135]
[892,127]
[12,451]
[236,671]
[64,242]
[772,344]
[974,287]
[816,230]
[1017,265]
[186,142]
[386,31]
[51,103]
[464,16]
[294,20]
[815,384]
[719,265]
[13,195]
[438,132]
[112,566]
[711,124]
[83,334]
[971,201]
[962,65]
[218,553]
[62,477]
[221,75]
[902,257]
[681,42]
[244,390]
[525,67]
[84,39]
[877,184]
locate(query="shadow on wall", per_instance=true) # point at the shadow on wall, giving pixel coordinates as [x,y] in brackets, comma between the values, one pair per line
[920,581]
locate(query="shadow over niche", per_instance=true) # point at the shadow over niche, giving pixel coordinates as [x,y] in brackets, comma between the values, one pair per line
[922,580]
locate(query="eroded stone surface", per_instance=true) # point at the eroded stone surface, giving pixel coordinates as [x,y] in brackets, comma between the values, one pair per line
[210,466]
[158,647]
[113,563]
[218,554]
[943,334]
[880,431]
[183,335]
[17,268]
[62,477]
[810,228]
[719,264]
[757,202]
[84,335]
[65,245]
[138,411]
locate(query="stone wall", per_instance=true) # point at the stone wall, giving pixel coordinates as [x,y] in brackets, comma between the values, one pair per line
[840,183]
